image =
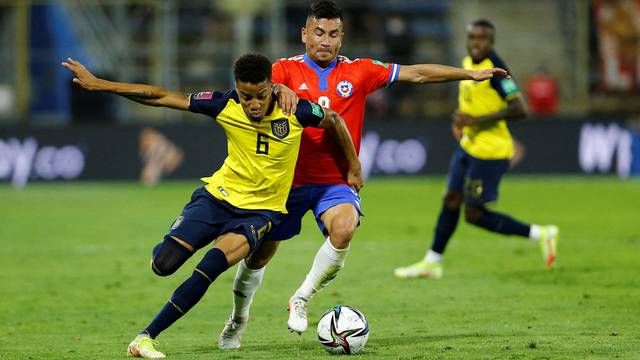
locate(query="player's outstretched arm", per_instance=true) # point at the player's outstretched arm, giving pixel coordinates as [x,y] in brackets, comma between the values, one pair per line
[144,94]
[434,73]
[333,122]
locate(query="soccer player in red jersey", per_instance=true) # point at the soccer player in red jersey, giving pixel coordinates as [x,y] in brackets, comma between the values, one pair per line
[319,185]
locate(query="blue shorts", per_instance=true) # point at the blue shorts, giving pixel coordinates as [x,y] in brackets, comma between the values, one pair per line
[318,198]
[477,179]
[205,218]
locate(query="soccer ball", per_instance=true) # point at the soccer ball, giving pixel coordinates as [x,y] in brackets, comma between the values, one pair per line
[343,330]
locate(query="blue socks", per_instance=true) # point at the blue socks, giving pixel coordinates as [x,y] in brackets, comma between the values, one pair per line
[490,220]
[503,224]
[190,292]
[446,225]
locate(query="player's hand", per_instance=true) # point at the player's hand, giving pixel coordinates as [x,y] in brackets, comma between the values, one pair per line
[355,179]
[461,119]
[287,99]
[84,77]
[456,130]
[480,75]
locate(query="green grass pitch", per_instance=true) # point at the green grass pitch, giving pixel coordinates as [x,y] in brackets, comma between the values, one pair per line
[76,283]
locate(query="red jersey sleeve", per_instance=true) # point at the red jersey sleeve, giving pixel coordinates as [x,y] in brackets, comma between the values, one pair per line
[378,73]
[279,73]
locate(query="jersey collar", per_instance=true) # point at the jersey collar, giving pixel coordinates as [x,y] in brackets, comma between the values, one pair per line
[323,74]
[489,54]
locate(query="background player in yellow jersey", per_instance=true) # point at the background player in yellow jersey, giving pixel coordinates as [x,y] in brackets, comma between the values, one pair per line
[246,197]
[486,146]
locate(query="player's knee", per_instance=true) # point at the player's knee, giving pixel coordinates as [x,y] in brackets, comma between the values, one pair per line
[341,235]
[261,257]
[453,200]
[168,256]
[256,262]
[161,268]
[472,214]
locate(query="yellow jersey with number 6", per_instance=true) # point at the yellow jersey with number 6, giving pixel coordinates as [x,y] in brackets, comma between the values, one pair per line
[258,171]
[491,140]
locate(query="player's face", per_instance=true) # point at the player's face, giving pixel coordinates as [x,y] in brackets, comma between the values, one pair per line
[479,42]
[254,98]
[322,39]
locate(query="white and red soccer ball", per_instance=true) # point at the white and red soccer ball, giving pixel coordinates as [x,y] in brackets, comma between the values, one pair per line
[343,330]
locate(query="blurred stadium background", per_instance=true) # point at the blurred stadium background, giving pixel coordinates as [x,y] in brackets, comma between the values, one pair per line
[73,252]
[577,61]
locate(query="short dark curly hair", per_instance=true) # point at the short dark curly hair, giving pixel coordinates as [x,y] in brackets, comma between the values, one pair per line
[252,68]
[484,23]
[325,9]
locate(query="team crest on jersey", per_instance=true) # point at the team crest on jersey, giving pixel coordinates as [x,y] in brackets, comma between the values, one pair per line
[280,128]
[345,88]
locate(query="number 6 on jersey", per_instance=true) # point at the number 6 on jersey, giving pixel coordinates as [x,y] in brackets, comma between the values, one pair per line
[262,147]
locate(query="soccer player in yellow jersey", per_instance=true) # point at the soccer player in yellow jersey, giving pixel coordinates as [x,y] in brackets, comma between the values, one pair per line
[486,146]
[246,197]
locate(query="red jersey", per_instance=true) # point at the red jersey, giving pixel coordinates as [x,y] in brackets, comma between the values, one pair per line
[343,87]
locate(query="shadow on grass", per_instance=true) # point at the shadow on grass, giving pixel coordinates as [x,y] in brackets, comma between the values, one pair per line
[295,349]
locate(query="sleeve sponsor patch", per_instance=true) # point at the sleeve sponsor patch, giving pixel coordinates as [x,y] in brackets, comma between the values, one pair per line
[308,113]
[206,95]
[509,86]
[317,110]
[209,103]
[377,62]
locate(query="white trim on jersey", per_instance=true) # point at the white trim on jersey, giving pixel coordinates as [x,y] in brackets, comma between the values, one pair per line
[395,72]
